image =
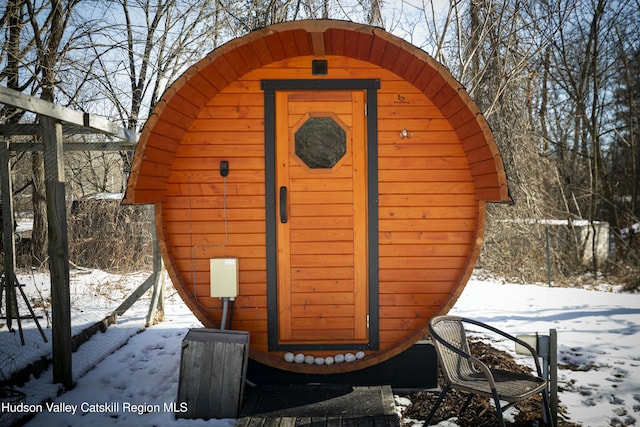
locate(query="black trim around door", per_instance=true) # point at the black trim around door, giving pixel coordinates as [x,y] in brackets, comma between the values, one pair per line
[270,87]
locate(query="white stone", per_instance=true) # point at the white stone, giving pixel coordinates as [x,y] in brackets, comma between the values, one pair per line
[319,361]
[309,359]
[289,357]
[360,355]
[349,357]
[329,360]
[299,358]
[339,358]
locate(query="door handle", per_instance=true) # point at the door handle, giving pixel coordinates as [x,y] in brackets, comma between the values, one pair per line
[283,205]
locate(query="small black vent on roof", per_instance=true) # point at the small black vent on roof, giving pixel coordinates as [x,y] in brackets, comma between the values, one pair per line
[319,67]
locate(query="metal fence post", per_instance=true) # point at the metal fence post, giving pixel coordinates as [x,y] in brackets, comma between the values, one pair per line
[553,374]
[548,351]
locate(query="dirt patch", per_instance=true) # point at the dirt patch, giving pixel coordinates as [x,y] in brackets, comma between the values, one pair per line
[480,411]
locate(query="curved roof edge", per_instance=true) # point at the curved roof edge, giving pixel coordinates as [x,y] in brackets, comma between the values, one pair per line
[181,103]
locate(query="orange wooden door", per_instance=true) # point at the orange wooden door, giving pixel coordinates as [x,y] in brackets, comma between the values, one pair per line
[321,181]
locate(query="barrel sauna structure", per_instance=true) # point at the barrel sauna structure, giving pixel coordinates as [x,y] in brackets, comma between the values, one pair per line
[343,169]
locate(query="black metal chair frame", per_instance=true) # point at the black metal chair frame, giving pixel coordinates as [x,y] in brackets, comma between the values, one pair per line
[466,373]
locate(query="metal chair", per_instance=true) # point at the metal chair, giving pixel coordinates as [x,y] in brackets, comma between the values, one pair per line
[466,373]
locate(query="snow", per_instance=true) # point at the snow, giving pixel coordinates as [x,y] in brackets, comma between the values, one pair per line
[105,196]
[128,376]
[597,334]
[566,222]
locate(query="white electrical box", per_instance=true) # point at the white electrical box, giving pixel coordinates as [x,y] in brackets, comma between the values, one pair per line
[224,277]
[532,340]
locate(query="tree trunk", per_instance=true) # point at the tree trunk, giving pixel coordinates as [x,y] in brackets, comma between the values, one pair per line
[39,234]
[48,57]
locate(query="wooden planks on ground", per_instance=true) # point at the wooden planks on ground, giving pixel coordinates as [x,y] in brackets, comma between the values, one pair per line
[371,421]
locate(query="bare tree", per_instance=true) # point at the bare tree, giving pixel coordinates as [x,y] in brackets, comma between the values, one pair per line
[34,47]
[501,51]
[144,46]
[589,64]
[557,80]
[625,155]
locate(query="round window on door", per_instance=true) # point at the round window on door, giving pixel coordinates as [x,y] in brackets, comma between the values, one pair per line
[320,142]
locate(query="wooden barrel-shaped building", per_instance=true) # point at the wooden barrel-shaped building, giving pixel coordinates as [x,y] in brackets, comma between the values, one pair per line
[339,170]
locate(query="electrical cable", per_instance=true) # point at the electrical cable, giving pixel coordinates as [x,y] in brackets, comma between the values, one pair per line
[193,247]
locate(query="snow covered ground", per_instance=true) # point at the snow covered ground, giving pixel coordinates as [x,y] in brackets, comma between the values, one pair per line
[598,336]
[128,376]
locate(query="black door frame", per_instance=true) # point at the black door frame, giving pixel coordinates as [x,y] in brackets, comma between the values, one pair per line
[270,87]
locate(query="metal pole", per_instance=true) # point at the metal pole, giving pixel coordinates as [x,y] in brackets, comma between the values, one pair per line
[553,374]
[225,311]
[546,232]
[543,349]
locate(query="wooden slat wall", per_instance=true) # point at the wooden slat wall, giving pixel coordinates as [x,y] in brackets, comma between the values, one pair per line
[200,224]
[427,210]
[427,204]
[172,115]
